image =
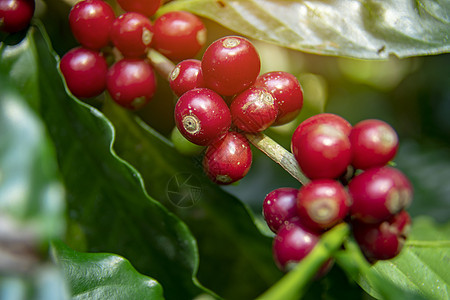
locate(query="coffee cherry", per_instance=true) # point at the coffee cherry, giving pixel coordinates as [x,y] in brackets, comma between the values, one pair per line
[324,118]
[202,115]
[374,144]
[379,193]
[253,110]
[292,243]
[84,71]
[230,65]
[287,92]
[385,240]
[228,159]
[187,75]
[90,22]
[322,203]
[323,151]
[131,83]
[145,7]
[15,15]
[132,34]
[179,35]
[279,207]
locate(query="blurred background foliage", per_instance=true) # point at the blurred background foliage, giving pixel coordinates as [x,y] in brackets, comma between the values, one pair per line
[412,94]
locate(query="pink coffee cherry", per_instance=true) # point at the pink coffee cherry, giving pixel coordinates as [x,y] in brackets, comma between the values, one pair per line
[286,91]
[90,22]
[228,159]
[202,116]
[230,65]
[374,144]
[379,193]
[279,207]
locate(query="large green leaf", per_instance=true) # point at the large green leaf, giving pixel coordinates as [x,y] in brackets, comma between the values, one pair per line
[103,276]
[106,199]
[420,271]
[354,28]
[236,260]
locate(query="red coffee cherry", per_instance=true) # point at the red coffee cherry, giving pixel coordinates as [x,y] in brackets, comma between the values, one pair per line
[179,35]
[187,75]
[323,151]
[254,110]
[384,240]
[228,159]
[145,7]
[322,203]
[374,144]
[379,193]
[279,207]
[202,115]
[287,92]
[292,243]
[84,71]
[132,34]
[15,15]
[90,22]
[324,118]
[131,83]
[230,65]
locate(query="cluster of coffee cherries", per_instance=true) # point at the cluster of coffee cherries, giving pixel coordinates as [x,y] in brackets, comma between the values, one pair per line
[15,15]
[350,181]
[223,96]
[130,79]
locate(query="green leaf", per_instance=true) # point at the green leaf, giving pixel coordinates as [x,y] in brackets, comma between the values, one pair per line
[236,259]
[103,276]
[360,29]
[420,271]
[106,199]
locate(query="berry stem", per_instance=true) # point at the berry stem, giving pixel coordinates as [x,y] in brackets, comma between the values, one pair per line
[278,154]
[272,149]
[293,284]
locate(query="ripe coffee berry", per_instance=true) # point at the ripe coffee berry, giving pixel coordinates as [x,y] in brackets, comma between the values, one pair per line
[374,144]
[178,35]
[84,71]
[286,91]
[228,159]
[322,203]
[323,151]
[131,83]
[253,110]
[132,34]
[145,7]
[324,118]
[292,243]
[230,65]
[379,193]
[187,75]
[90,22]
[279,207]
[382,240]
[15,15]
[202,115]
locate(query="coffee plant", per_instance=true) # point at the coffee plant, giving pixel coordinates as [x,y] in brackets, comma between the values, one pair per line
[205,149]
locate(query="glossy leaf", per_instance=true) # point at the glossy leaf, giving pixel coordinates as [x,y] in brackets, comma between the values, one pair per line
[361,29]
[103,276]
[106,200]
[228,239]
